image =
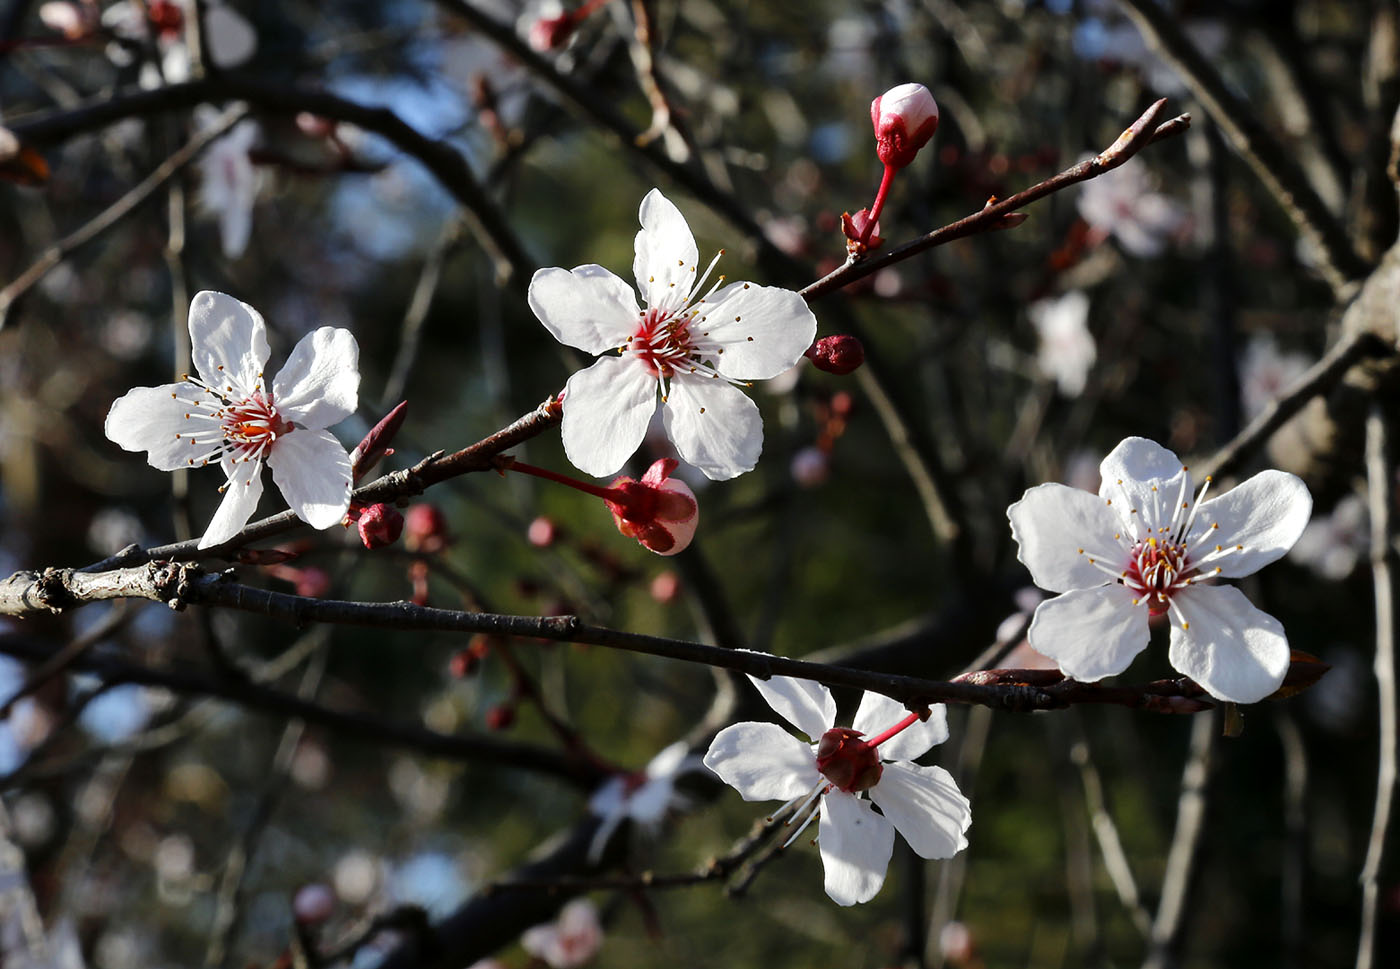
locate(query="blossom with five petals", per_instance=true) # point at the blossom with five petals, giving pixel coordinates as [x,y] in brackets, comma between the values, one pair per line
[1142,547]
[230,414]
[763,762]
[644,797]
[698,346]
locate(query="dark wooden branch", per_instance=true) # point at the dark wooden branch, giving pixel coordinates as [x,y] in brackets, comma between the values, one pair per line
[445,162]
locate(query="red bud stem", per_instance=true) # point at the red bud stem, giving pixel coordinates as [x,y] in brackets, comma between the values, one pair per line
[879,204]
[908,721]
[598,491]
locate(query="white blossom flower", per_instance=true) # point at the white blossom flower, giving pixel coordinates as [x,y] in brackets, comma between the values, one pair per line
[763,762]
[643,798]
[1332,544]
[1067,350]
[1142,547]
[1123,202]
[229,182]
[570,940]
[1266,372]
[698,346]
[229,414]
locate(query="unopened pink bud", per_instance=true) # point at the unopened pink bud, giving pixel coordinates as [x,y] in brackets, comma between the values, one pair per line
[313,903]
[848,761]
[839,354]
[425,529]
[659,511]
[380,525]
[666,587]
[905,118]
[543,532]
[552,33]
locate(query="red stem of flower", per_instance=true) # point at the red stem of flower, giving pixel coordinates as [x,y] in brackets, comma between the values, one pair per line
[598,491]
[879,205]
[908,721]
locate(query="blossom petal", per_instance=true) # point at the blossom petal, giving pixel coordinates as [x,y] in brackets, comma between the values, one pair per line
[607,408]
[230,38]
[1058,529]
[240,501]
[1144,481]
[585,307]
[714,426]
[312,470]
[665,263]
[856,844]
[1235,651]
[879,713]
[764,329]
[1090,633]
[228,340]
[150,418]
[806,704]
[925,805]
[1265,514]
[319,385]
[763,762]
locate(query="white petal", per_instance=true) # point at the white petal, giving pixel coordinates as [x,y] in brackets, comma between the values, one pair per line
[230,38]
[148,418]
[236,222]
[925,805]
[585,307]
[1129,475]
[806,704]
[229,334]
[1266,515]
[714,426]
[607,408]
[312,471]
[1090,633]
[239,502]
[1058,529]
[879,713]
[764,330]
[856,844]
[1235,651]
[763,762]
[319,385]
[665,263]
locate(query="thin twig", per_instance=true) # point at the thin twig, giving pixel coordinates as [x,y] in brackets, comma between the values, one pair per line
[1168,927]
[68,655]
[115,212]
[1270,161]
[1380,486]
[1115,859]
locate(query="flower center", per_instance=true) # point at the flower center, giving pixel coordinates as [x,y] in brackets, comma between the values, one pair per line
[230,423]
[663,342]
[846,760]
[1156,570]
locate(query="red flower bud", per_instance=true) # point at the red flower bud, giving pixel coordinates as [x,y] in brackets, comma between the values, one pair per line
[848,761]
[905,118]
[839,354]
[542,532]
[312,582]
[380,525]
[425,530]
[375,446]
[659,511]
[500,717]
[552,33]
